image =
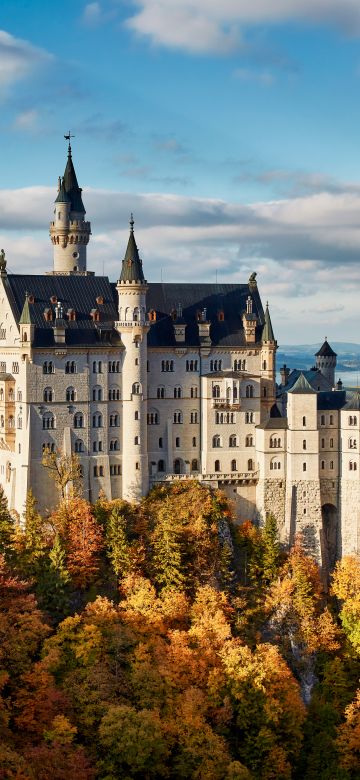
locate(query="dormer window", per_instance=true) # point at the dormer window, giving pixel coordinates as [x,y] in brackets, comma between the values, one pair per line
[95,315]
[221,316]
[53,299]
[100,300]
[152,315]
[71,313]
[31,299]
[173,314]
[199,316]
[48,315]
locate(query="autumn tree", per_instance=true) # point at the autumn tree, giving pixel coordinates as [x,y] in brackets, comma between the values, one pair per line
[346,587]
[83,543]
[65,470]
[167,554]
[117,543]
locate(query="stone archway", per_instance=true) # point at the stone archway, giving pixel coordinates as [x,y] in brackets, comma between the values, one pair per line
[330,534]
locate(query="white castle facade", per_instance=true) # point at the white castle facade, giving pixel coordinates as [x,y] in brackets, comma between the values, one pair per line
[148,383]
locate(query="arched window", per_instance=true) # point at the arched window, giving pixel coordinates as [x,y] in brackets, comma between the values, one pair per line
[48,421]
[19,423]
[249,441]
[11,394]
[153,417]
[1,394]
[233,465]
[48,447]
[48,395]
[78,420]
[70,367]
[217,466]
[264,365]
[216,391]
[177,442]
[97,420]
[136,388]
[178,418]
[304,444]
[161,466]
[194,465]
[79,445]
[233,440]
[249,417]
[322,419]
[352,444]
[114,420]
[194,441]
[249,392]
[160,392]
[193,417]
[304,466]
[97,394]
[193,392]
[304,421]
[70,394]
[114,394]
[177,392]
[275,464]
[216,442]
[114,445]
[48,367]
[322,464]
[177,466]
[250,464]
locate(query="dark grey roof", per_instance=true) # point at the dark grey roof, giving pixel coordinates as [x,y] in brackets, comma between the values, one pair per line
[335,399]
[325,350]
[315,378]
[132,270]
[71,186]
[353,404]
[275,411]
[268,333]
[226,374]
[302,386]
[62,196]
[274,424]
[194,297]
[74,292]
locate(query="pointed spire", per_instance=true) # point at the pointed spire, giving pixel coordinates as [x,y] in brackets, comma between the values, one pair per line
[71,186]
[268,333]
[62,196]
[25,318]
[132,270]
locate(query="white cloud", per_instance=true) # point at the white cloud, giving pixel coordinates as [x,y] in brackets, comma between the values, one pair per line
[27,120]
[92,13]
[209,26]
[18,59]
[304,249]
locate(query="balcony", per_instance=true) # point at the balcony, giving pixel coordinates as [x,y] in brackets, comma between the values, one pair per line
[226,403]
[233,477]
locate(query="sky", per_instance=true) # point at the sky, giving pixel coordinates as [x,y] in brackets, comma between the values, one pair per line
[231,129]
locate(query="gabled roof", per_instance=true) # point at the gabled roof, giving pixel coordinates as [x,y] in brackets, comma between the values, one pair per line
[25,318]
[325,350]
[273,424]
[353,404]
[315,378]
[302,386]
[132,270]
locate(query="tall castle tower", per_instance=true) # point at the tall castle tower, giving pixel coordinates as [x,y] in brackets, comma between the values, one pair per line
[133,327]
[267,368]
[69,231]
[326,362]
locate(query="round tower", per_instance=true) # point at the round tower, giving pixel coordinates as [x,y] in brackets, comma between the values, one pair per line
[69,231]
[133,327]
[326,362]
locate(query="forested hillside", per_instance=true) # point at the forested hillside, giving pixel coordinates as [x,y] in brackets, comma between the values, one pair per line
[162,641]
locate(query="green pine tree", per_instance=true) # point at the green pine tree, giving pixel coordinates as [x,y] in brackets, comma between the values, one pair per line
[167,558]
[271,549]
[118,548]
[53,580]
[7,527]
[31,541]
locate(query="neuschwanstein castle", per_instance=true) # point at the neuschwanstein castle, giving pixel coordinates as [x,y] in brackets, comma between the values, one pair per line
[149,382]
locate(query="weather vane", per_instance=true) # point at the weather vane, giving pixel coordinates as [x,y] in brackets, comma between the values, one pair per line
[67,137]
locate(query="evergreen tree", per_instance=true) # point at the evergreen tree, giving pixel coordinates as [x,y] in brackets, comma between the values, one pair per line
[31,541]
[167,550]
[7,527]
[271,549]
[118,548]
[53,582]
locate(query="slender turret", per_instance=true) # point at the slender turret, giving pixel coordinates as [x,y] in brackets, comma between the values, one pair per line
[69,231]
[133,327]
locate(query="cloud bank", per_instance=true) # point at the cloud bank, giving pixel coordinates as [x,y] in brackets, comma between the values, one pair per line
[18,59]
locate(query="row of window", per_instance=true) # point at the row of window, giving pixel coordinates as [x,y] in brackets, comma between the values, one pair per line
[239,365]
[249,392]
[217,441]
[49,422]
[71,394]
[10,422]
[11,395]
[71,367]
[168,365]
[227,418]
[177,392]
[14,367]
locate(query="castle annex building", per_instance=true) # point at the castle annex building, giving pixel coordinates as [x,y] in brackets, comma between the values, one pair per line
[147,382]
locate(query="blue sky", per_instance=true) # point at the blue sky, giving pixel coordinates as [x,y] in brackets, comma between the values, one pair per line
[230,129]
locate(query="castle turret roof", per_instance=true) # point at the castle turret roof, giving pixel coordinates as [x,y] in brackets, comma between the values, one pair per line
[25,318]
[325,350]
[301,386]
[62,196]
[132,270]
[71,186]
[268,333]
